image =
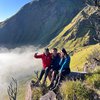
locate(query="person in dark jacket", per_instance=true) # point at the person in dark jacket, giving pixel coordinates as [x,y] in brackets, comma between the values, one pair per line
[64,68]
[46,61]
[54,65]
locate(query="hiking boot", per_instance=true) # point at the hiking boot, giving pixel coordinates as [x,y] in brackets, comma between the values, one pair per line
[50,86]
[55,86]
[37,84]
[32,83]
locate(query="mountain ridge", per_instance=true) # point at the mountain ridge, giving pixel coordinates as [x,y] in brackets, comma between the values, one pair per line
[38,22]
[79,32]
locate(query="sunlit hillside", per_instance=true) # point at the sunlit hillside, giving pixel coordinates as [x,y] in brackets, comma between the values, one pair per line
[78,33]
[79,57]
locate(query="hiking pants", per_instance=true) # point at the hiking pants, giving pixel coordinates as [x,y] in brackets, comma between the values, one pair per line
[61,77]
[45,73]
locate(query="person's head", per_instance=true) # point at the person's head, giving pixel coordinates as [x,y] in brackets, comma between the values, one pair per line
[46,51]
[63,53]
[54,51]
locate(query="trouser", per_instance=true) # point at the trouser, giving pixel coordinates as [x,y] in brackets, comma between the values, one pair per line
[62,76]
[53,77]
[54,72]
[45,73]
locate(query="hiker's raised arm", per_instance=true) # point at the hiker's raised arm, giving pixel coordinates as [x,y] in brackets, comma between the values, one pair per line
[37,56]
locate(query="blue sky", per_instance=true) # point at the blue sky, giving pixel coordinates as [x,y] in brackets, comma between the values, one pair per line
[10,7]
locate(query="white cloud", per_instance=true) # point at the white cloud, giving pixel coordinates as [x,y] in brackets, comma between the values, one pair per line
[18,63]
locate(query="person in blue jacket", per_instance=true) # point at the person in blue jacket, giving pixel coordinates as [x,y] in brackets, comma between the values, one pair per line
[65,65]
[64,68]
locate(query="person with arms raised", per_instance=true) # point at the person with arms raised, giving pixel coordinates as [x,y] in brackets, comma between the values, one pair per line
[46,61]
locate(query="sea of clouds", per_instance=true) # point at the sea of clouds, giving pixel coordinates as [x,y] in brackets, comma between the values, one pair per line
[18,63]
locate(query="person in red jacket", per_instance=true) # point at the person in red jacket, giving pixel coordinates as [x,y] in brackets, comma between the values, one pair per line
[46,61]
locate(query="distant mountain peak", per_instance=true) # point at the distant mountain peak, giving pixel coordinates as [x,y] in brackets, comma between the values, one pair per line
[38,22]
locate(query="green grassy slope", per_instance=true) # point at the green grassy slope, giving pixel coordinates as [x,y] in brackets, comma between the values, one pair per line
[78,33]
[79,57]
